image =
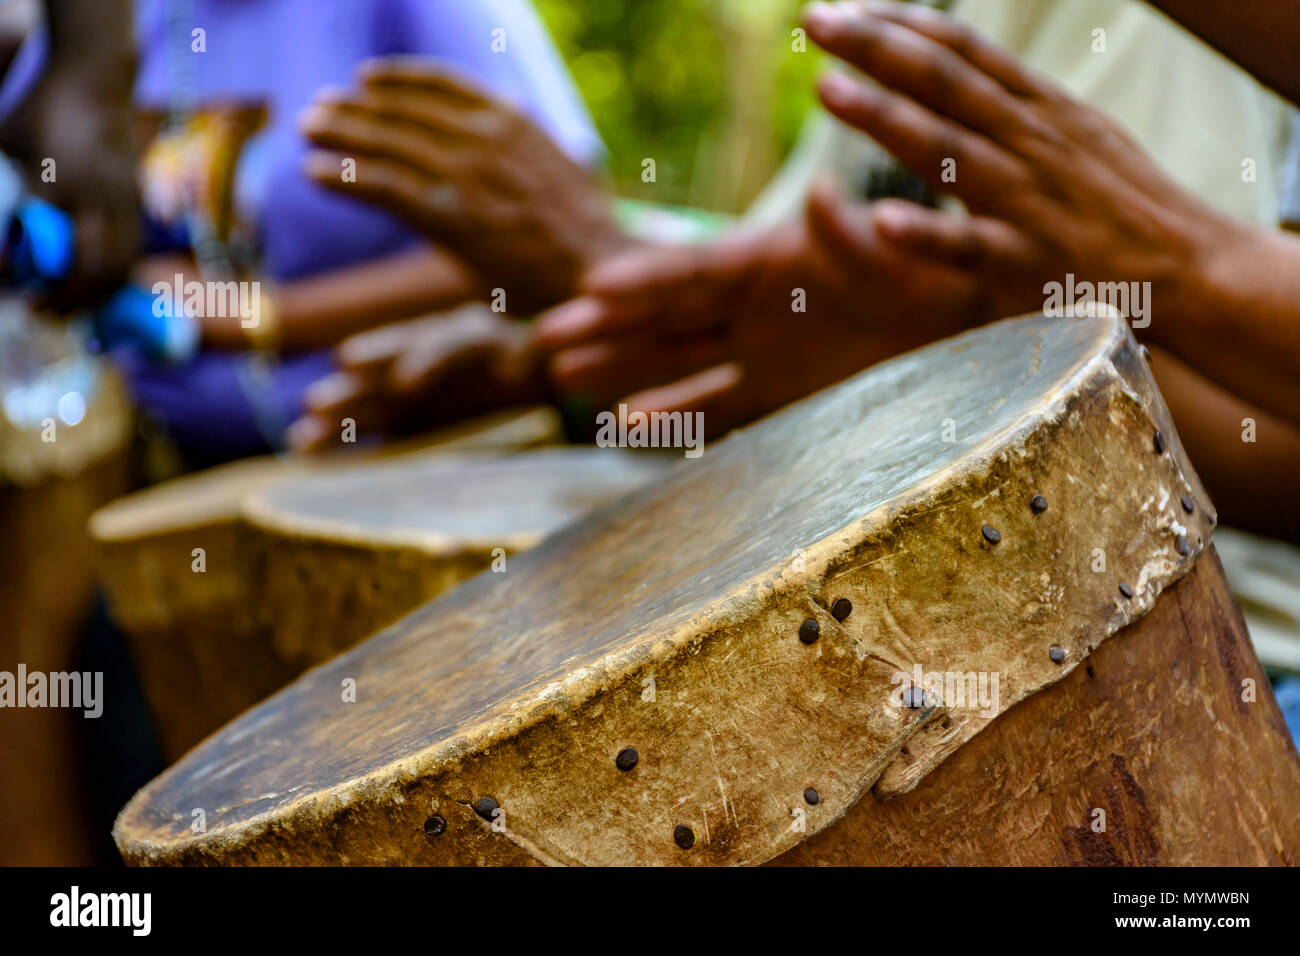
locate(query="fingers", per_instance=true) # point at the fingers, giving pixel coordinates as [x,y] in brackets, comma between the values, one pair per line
[435,208]
[331,400]
[357,130]
[336,391]
[374,347]
[684,289]
[842,230]
[322,430]
[851,237]
[716,393]
[940,151]
[307,434]
[605,370]
[623,305]
[914,64]
[726,263]
[394,107]
[435,358]
[988,57]
[421,73]
[846,234]
[956,109]
[974,243]
[571,323]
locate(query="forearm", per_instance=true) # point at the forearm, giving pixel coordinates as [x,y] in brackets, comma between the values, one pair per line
[95,35]
[1259,35]
[321,311]
[1237,320]
[1247,457]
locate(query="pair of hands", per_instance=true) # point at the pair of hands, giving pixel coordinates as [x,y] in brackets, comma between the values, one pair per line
[1052,187]
[472,173]
[478,177]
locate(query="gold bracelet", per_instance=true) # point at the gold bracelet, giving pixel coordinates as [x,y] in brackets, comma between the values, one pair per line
[264,332]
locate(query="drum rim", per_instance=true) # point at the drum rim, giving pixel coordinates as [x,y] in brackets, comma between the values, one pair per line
[1116,348]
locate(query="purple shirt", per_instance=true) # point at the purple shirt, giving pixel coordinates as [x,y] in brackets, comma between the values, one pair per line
[281,52]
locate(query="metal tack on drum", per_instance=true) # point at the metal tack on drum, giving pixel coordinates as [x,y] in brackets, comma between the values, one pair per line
[435,826]
[991,534]
[626,759]
[841,609]
[485,807]
[430,735]
[809,630]
[811,797]
[1038,504]
[1158,442]
[1056,653]
[683,836]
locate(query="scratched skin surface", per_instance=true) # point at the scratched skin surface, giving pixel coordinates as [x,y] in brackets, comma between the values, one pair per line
[629,574]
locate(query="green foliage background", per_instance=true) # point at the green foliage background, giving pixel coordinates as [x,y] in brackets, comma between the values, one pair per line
[712,90]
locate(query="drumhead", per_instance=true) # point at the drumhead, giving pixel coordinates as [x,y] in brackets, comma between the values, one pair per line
[741,625]
[450,503]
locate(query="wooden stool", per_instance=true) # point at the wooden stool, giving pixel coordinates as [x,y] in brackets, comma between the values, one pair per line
[961,608]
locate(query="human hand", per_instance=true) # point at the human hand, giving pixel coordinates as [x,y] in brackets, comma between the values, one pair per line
[469,171]
[421,373]
[1054,186]
[757,319]
[71,136]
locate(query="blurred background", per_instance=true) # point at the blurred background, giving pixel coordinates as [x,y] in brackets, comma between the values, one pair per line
[210,172]
[714,92]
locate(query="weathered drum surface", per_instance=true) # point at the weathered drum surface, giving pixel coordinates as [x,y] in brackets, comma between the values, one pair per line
[186,574]
[1007,503]
[339,556]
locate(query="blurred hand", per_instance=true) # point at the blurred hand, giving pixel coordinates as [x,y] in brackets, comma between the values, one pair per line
[467,170]
[81,120]
[419,374]
[755,320]
[1053,185]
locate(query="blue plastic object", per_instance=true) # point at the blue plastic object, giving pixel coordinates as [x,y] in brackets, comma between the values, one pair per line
[40,245]
[134,317]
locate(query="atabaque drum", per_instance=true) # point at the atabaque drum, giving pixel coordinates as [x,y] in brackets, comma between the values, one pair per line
[962,608]
[334,557]
[185,571]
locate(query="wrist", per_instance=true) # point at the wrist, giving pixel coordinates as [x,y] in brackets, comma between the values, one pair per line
[1206,282]
[262,326]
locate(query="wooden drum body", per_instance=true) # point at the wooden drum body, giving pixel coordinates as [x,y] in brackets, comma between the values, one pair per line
[48,488]
[961,608]
[231,582]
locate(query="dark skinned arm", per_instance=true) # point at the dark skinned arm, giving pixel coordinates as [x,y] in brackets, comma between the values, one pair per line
[320,311]
[78,116]
[1261,36]
[1055,187]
